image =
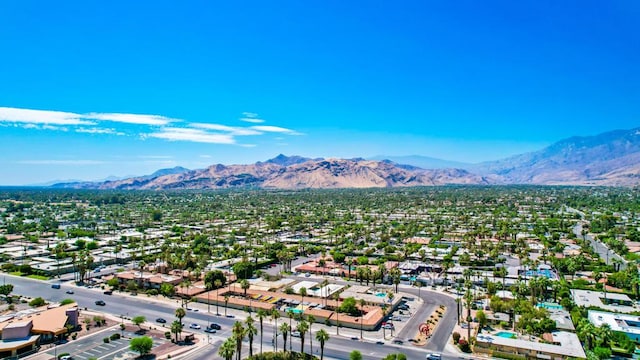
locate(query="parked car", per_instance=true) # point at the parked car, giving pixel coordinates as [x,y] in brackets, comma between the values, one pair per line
[66,357]
[69,291]
[55,286]
[295,333]
[434,356]
[161,321]
[210,331]
[195,326]
[108,292]
[100,303]
[379,342]
[398,341]
[215,326]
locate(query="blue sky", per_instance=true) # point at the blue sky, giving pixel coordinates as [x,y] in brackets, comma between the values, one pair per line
[90,89]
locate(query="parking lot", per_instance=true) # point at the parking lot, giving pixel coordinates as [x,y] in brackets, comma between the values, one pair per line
[94,347]
[396,320]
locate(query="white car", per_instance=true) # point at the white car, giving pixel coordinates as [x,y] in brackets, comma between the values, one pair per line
[295,334]
[434,356]
[195,326]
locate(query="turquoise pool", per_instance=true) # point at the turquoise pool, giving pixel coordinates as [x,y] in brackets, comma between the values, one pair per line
[295,311]
[549,306]
[506,334]
[381,294]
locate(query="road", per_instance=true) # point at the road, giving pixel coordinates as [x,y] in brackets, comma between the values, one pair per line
[608,255]
[337,347]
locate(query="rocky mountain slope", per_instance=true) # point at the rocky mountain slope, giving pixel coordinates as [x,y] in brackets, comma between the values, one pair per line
[297,173]
[611,158]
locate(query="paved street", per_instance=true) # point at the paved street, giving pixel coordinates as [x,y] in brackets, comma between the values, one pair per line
[338,347]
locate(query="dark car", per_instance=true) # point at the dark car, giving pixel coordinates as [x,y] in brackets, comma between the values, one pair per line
[215,326]
[108,292]
[69,291]
[398,341]
[380,342]
[161,321]
[355,338]
[100,303]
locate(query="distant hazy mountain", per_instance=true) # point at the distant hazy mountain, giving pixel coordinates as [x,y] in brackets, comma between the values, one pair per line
[424,162]
[284,160]
[611,158]
[78,184]
[312,173]
[170,171]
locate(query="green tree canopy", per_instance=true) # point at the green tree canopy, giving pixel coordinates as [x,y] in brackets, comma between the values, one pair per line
[141,345]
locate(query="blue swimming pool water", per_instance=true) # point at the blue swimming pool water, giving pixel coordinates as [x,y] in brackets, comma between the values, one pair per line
[506,334]
[549,306]
[381,294]
[295,311]
[544,272]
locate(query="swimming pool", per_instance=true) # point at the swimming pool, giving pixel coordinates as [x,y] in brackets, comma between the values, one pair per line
[549,306]
[543,272]
[381,294]
[294,310]
[506,335]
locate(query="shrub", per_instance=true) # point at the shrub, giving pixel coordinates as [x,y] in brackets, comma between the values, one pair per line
[456,337]
[37,302]
[105,340]
[114,336]
[167,334]
[464,346]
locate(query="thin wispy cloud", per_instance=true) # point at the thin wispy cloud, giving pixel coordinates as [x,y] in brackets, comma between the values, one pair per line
[193,135]
[160,127]
[62,162]
[231,130]
[17,115]
[251,118]
[275,129]
[99,131]
[139,119]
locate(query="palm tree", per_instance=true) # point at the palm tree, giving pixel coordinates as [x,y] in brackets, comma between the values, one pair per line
[238,332]
[303,327]
[284,329]
[587,332]
[336,297]
[226,303]
[180,313]
[362,303]
[176,328]
[303,293]
[228,349]
[291,315]
[244,284]
[275,315]
[251,331]
[311,319]
[261,314]
[217,283]
[322,336]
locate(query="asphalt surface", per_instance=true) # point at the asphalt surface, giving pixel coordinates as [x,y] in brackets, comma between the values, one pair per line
[606,254]
[120,304]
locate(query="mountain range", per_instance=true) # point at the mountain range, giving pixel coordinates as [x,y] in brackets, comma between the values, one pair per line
[608,159]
